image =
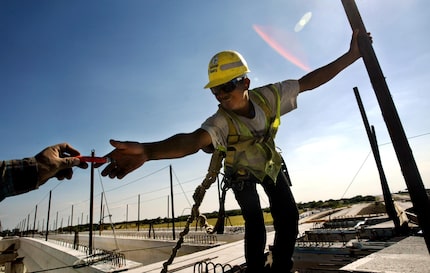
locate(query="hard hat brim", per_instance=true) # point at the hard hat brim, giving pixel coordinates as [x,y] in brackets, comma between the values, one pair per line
[222,81]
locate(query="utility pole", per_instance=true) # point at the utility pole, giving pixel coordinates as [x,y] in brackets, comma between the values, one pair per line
[101,215]
[71,221]
[90,239]
[34,223]
[126,217]
[138,212]
[400,142]
[28,224]
[168,207]
[56,223]
[47,221]
[173,207]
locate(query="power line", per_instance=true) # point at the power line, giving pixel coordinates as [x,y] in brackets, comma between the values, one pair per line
[353,179]
[179,183]
[383,144]
[134,181]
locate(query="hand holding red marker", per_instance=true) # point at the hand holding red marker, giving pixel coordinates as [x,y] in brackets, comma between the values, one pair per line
[94,159]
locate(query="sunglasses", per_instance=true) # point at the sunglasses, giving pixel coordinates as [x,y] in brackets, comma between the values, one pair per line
[227,87]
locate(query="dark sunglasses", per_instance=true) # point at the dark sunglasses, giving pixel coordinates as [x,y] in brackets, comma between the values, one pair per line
[227,87]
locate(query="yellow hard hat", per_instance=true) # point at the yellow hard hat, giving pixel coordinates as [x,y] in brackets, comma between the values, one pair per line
[226,66]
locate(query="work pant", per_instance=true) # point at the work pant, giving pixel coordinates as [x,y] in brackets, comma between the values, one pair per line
[285,221]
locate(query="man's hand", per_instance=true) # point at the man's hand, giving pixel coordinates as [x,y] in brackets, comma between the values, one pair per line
[125,158]
[57,161]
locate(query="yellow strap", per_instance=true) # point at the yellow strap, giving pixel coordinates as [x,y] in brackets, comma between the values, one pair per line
[264,104]
[277,121]
[272,123]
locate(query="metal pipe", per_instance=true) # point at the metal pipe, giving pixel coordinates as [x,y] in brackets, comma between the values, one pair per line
[401,146]
[389,204]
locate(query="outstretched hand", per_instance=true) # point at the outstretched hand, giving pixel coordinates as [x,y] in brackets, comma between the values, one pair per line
[57,161]
[125,158]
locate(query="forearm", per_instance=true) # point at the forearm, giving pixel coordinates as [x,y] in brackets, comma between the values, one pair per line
[177,146]
[18,176]
[326,73]
[128,156]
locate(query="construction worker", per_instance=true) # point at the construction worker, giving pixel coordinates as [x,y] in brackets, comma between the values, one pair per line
[244,126]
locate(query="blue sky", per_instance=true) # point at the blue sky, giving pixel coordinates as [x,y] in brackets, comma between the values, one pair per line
[88,71]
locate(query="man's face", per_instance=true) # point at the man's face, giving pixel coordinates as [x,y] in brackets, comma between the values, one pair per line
[231,95]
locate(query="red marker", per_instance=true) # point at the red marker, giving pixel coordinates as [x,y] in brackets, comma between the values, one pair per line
[93,159]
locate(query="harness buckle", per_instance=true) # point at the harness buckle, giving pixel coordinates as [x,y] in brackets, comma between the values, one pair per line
[237,179]
[242,172]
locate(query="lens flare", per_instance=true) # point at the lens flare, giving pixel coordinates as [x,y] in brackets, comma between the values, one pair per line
[276,40]
[303,21]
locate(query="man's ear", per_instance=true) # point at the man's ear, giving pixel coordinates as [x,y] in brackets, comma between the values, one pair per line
[246,82]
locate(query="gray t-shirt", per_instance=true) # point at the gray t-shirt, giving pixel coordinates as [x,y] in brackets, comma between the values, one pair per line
[217,125]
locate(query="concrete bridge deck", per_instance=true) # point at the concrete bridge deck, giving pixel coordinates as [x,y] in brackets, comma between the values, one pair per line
[409,255]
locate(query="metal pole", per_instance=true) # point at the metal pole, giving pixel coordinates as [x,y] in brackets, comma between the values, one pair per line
[385,188]
[56,223]
[389,204]
[138,212]
[101,215]
[173,207]
[47,221]
[401,146]
[28,224]
[34,223]
[71,221]
[221,213]
[90,239]
[168,208]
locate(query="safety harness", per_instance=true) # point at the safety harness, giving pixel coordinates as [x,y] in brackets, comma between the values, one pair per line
[246,153]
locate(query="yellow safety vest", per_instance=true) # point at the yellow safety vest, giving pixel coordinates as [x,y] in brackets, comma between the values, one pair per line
[248,153]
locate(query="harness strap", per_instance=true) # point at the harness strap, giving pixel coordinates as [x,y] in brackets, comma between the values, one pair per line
[272,121]
[245,137]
